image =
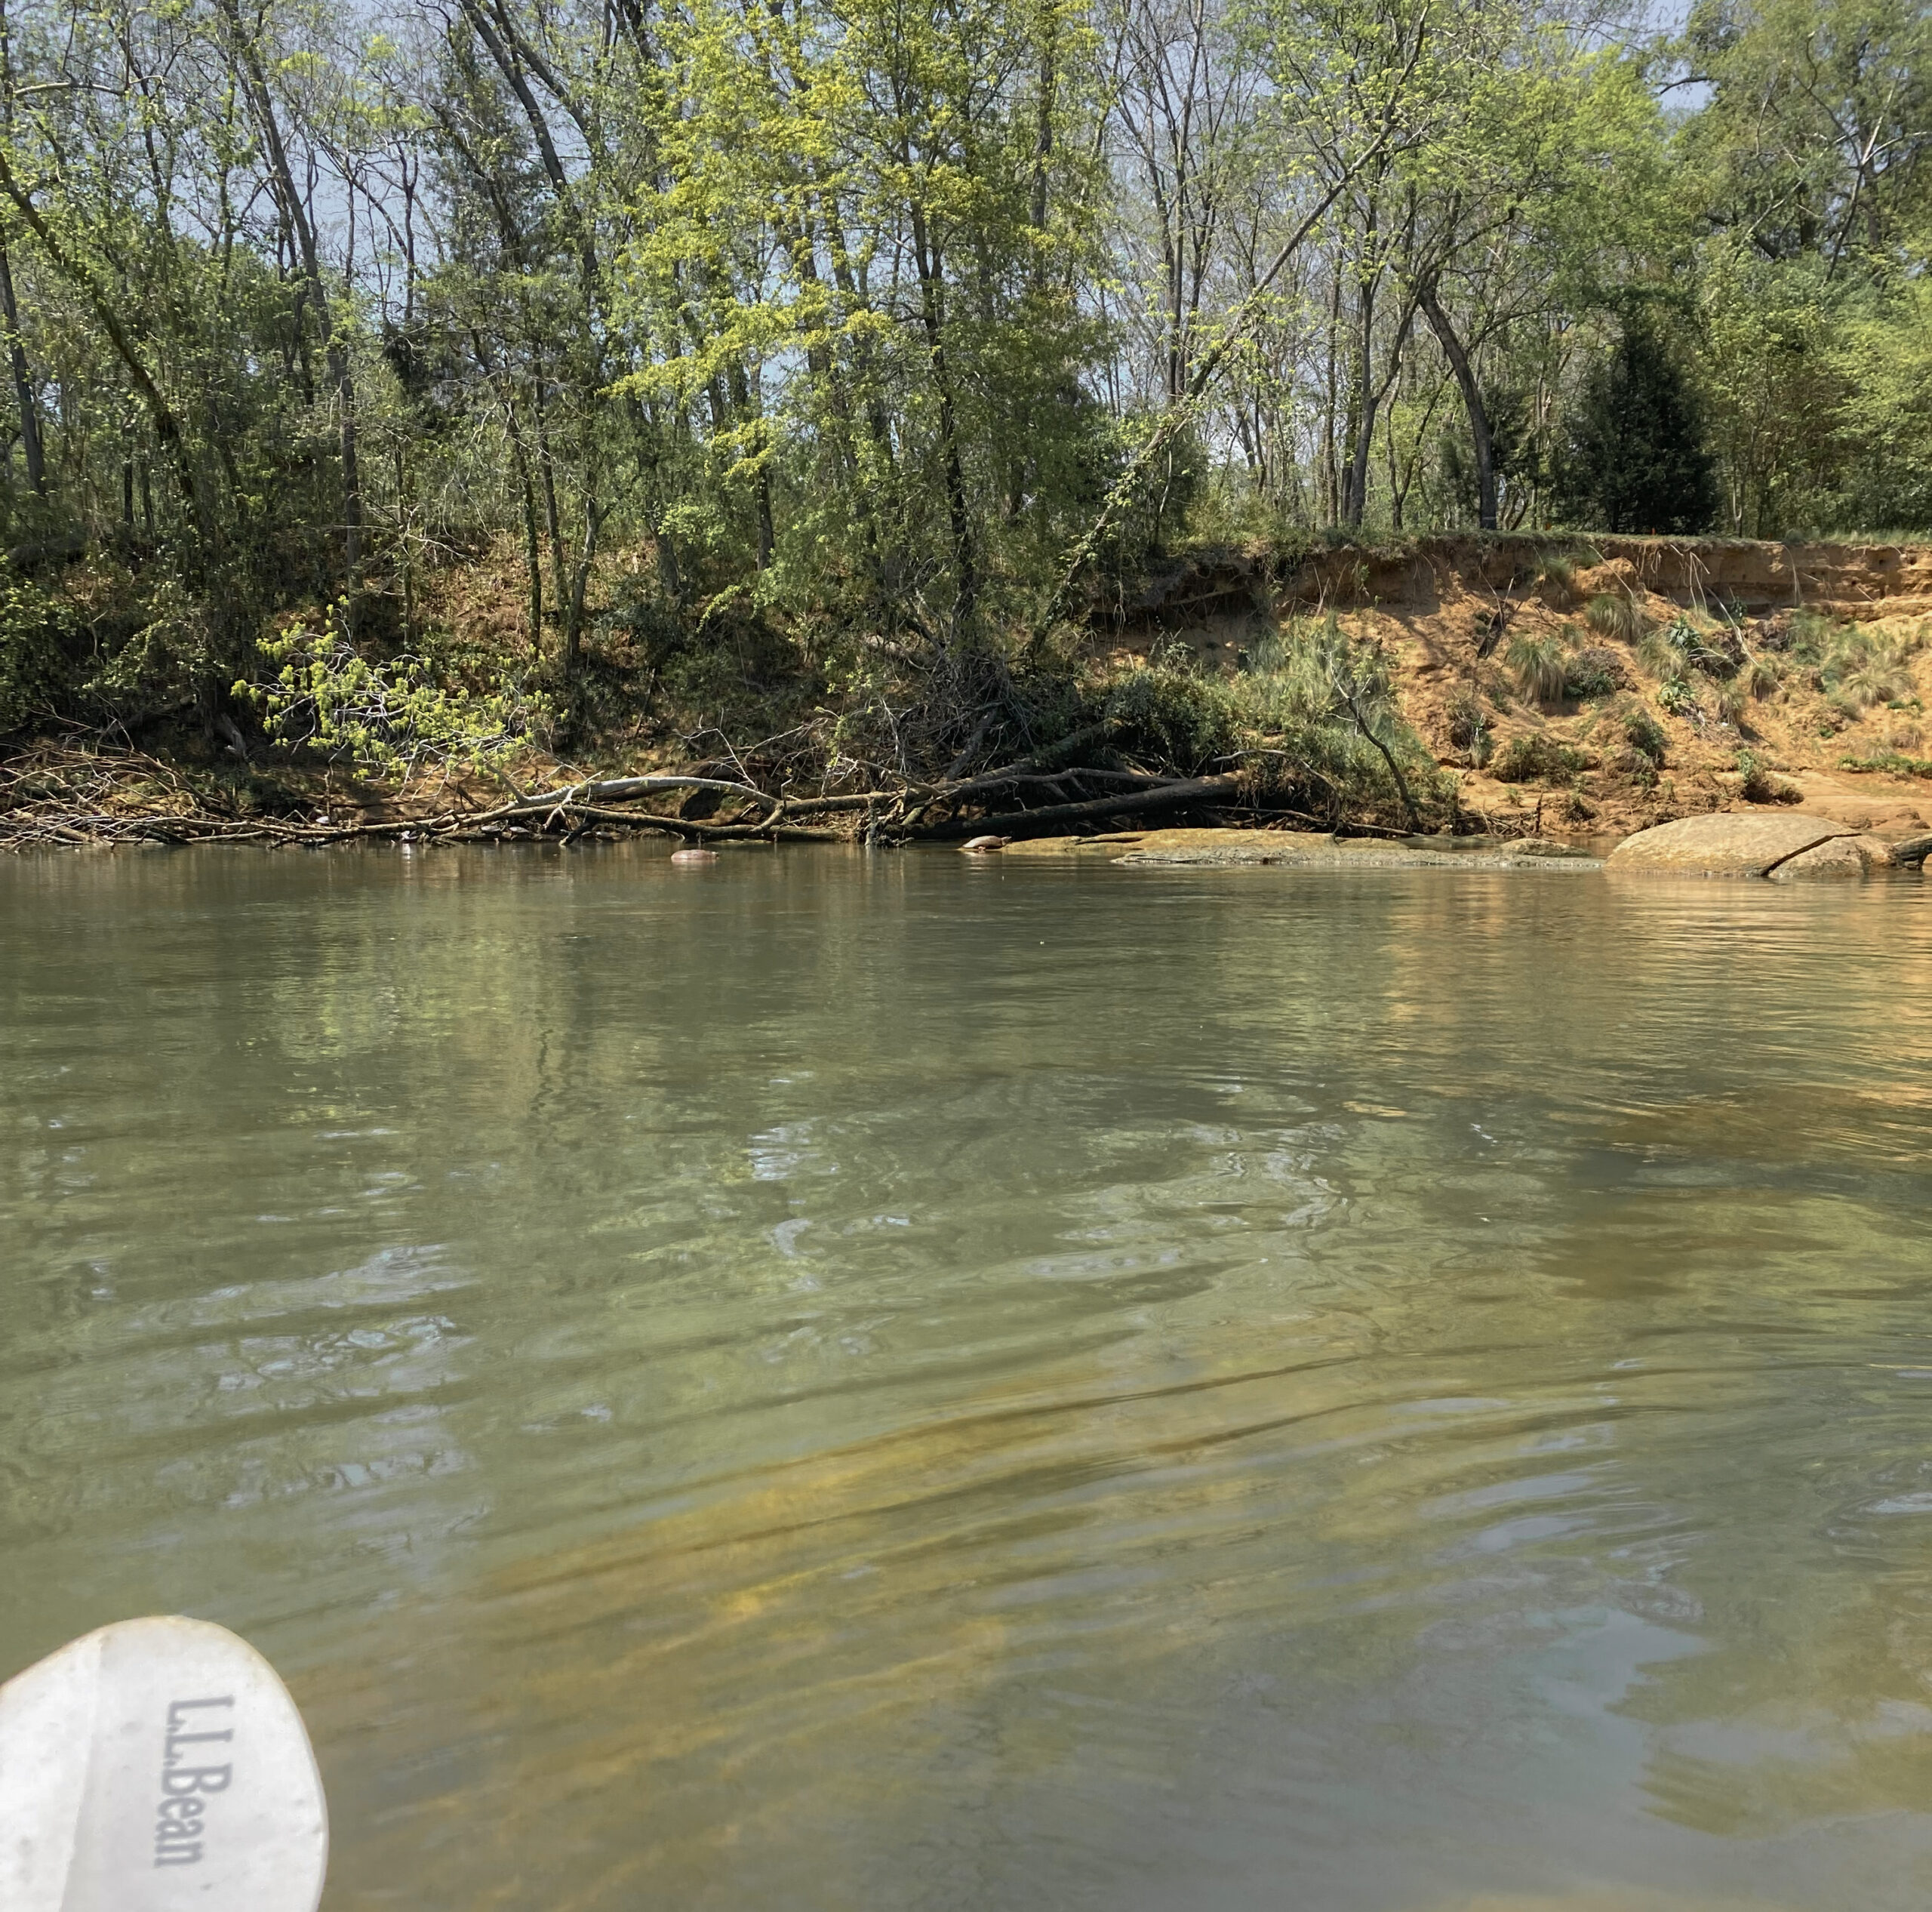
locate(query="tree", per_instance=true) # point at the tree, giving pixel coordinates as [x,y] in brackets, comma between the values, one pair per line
[1636,460]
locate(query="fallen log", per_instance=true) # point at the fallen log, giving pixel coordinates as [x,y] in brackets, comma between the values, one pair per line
[1162,796]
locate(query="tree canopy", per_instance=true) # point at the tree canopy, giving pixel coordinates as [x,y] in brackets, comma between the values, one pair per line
[890,319]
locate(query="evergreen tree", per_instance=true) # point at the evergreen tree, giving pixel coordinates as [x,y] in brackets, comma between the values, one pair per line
[1637,459]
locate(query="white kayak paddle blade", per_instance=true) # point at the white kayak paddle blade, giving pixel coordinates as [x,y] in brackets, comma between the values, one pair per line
[155,1767]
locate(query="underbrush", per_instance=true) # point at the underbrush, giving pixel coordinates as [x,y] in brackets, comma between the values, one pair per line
[1891,763]
[1537,759]
[391,716]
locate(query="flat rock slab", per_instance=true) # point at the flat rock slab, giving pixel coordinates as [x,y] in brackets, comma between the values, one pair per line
[1296,850]
[1725,843]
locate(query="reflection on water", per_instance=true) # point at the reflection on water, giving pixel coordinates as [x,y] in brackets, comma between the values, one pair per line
[891,1382]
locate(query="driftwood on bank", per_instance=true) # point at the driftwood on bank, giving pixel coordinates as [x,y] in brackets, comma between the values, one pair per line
[1158,796]
[54,797]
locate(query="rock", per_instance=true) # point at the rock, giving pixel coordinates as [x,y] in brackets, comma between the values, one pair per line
[1837,856]
[688,858]
[1727,844]
[1912,851]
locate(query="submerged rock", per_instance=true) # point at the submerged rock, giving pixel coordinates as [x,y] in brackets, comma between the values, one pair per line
[1727,844]
[1308,850]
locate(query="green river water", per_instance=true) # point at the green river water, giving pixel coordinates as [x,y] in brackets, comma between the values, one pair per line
[839,1381]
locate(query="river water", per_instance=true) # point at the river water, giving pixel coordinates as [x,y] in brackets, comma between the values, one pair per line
[838,1382]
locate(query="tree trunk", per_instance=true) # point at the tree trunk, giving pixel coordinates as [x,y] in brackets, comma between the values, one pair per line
[341,374]
[30,438]
[958,513]
[1466,380]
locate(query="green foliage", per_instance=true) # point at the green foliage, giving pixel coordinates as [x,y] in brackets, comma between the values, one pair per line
[1680,646]
[1645,735]
[1179,715]
[1535,758]
[1593,673]
[1891,763]
[841,325]
[1678,696]
[1557,574]
[393,717]
[1318,713]
[1636,459]
[38,633]
[1813,635]
[1759,786]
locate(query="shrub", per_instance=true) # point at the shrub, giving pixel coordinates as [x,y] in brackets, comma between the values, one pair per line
[1594,672]
[1675,695]
[1616,614]
[1759,785]
[36,632]
[390,718]
[1537,664]
[1645,735]
[1167,709]
[1537,759]
[1719,654]
[1318,714]
[1637,459]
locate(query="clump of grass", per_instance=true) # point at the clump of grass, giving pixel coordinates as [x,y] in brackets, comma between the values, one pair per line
[1730,702]
[1537,665]
[1719,654]
[1810,636]
[1645,735]
[1764,677]
[1537,759]
[1557,575]
[1862,669]
[1594,672]
[1675,649]
[1660,653]
[1617,614]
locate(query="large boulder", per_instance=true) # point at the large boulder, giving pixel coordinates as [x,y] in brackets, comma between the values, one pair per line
[1727,844]
[1837,856]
